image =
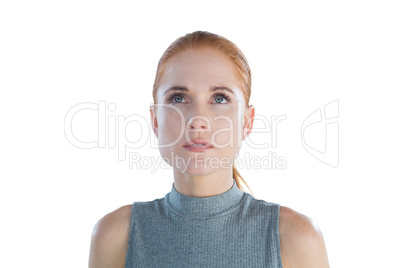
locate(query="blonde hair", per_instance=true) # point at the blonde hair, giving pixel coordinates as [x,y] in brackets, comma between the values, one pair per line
[204,39]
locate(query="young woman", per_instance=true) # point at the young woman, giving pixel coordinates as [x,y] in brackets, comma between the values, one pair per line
[201,115]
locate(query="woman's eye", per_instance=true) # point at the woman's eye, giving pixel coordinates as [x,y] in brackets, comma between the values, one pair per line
[178,98]
[221,98]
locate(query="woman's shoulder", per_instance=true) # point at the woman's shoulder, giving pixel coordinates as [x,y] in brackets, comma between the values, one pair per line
[113,222]
[109,239]
[302,243]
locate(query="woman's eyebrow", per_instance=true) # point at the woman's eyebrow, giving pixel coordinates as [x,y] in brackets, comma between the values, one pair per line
[184,89]
[222,88]
[174,88]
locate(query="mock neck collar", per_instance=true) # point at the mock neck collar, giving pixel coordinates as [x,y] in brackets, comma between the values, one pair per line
[204,207]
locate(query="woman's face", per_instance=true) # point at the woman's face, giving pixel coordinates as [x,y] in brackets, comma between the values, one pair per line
[199,98]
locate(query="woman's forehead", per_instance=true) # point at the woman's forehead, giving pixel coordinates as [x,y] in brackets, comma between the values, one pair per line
[200,69]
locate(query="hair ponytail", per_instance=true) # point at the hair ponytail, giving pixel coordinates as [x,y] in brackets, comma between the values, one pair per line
[239,179]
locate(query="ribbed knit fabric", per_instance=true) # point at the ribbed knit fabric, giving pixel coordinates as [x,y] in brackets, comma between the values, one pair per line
[232,230]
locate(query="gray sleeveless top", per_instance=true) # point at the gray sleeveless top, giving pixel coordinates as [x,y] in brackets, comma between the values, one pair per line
[232,229]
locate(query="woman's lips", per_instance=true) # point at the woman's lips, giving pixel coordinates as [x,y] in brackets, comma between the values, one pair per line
[198,145]
[198,148]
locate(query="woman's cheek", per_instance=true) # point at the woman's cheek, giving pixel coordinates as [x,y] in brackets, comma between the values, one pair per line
[169,125]
[227,129]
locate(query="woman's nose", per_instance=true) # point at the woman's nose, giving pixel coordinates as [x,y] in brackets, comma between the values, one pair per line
[199,122]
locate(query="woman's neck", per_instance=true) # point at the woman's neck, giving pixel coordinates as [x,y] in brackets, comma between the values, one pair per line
[204,185]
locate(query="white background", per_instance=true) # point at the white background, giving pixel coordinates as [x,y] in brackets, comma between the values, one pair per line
[303,55]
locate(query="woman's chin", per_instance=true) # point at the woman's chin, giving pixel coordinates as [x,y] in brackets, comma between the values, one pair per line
[197,168]
[197,171]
